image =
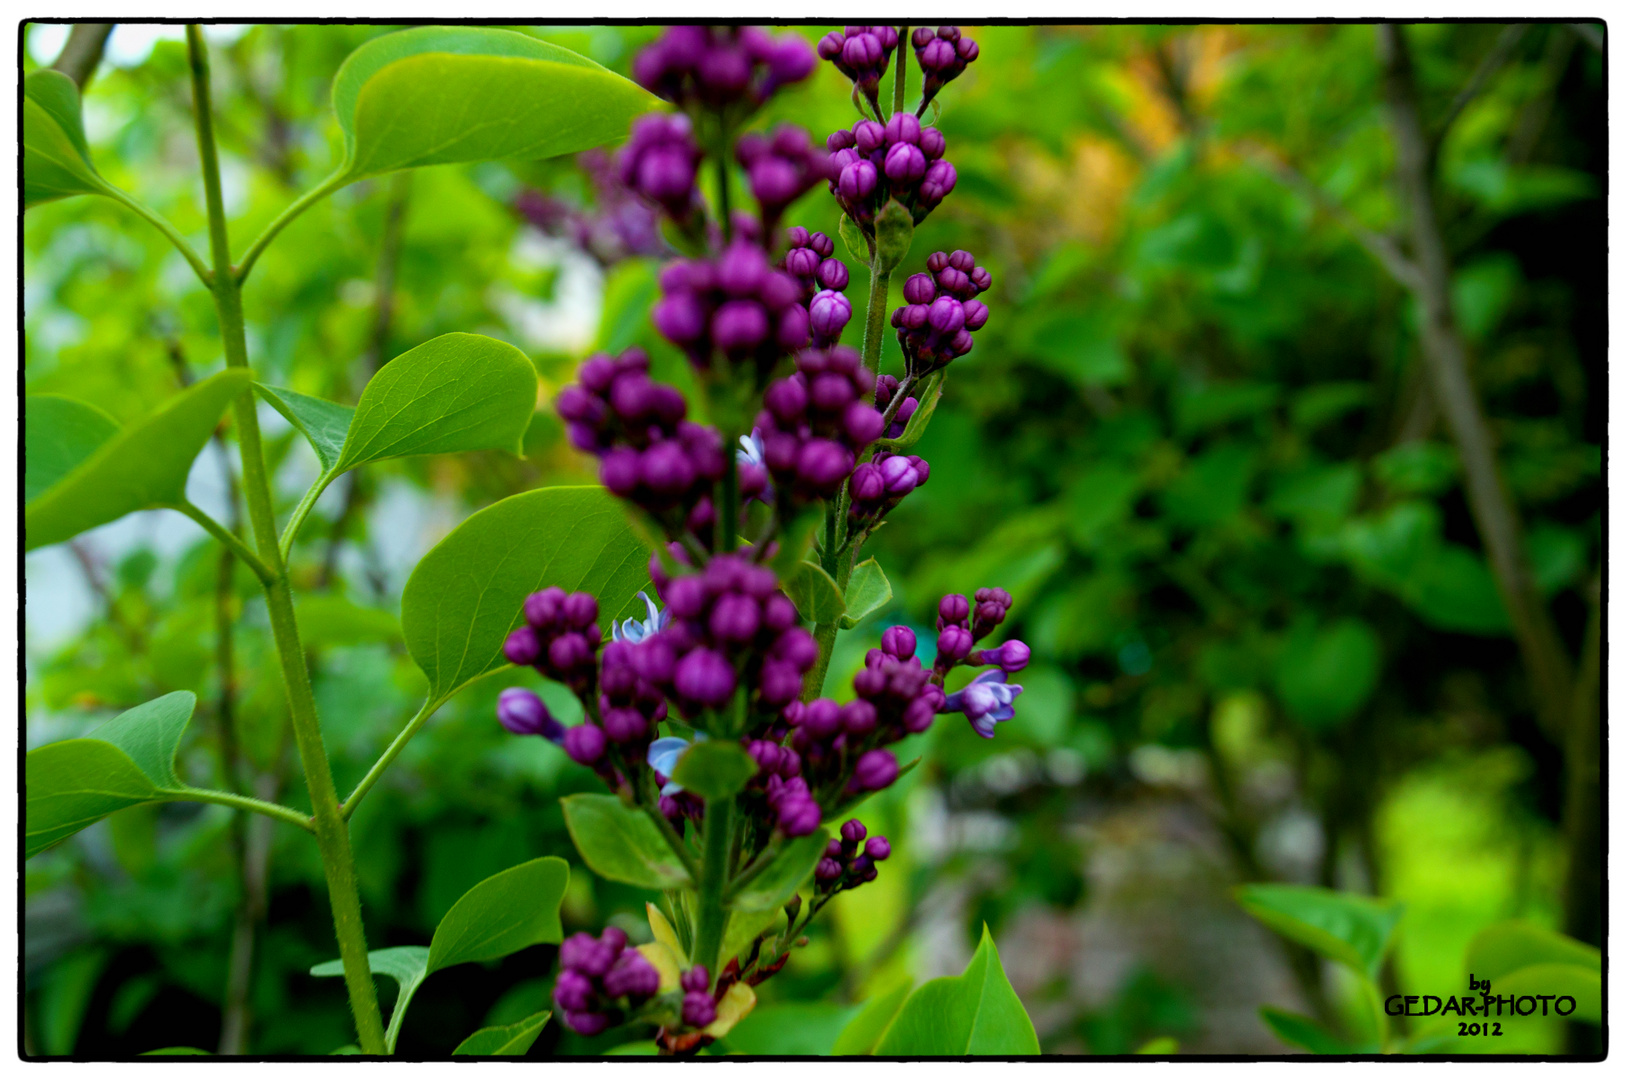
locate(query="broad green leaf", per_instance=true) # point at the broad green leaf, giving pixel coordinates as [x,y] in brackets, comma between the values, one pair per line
[743,928]
[643,1048]
[503,914]
[1301,1031]
[1324,677]
[794,1028]
[1584,984]
[867,592]
[452,393]
[1508,946]
[1161,1046]
[436,95]
[56,157]
[406,964]
[1354,930]
[467,593]
[177,1051]
[323,423]
[774,887]
[621,844]
[814,593]
[127,761]
[714,770]
[328,619]
[863,1033]
[512,1040]
[141,468]
[976,1012]
[59,433]
[928,396]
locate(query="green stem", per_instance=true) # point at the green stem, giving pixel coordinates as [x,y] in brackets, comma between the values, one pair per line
[296,520]
[158,222]
[332,837]
[227,537]
[728,514]
[674,841]
[283,220]
[899,80]
[718,828]
[725,217]
[749,874]
[389,755]
[875,314]
[241,802]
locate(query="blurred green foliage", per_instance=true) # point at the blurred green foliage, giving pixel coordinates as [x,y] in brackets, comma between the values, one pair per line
[1194,442]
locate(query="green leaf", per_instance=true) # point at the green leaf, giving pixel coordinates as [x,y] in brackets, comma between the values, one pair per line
[466,594]
[858,246]
[815,594]
[867,592]
[127,761]
[512,1040]
[503,914]
[406,964]
[805,1028]
[323,423]
[1301,1031]
[452,393]
[778,882]
[1325,677]
[714,770]
[1508,946]
[58,434]
[916,427]
[435,95]
[1584,984]
[864,1032]
[1354,930]
[56,156]
[141,468]
[621,844]
[178,1051]
[976,1012]
[327,619]
[743,928]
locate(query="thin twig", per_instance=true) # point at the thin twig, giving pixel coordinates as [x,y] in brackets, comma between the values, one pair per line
[83,52]
[1490,65]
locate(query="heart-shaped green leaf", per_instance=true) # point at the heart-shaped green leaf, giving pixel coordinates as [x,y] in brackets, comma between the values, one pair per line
[466,594]
[503,914]
[1584,984]
[815,594]
[714,770]
[127,761]
[772,888]
[511,1040]
[323,423]
[406,964]
[56,157]
[1508,946]
[1303,1032]
[140,468]
[976,1012]
[452,393]
[435,95]
[1354,930]
[621,844]
[59,433]
[867,592]
[863,1033]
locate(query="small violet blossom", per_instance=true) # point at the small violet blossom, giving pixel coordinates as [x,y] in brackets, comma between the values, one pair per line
[634,631]
[663,758]
[986,701]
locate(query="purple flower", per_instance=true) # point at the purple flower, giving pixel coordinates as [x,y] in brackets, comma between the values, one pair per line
[698,1009]
[878,849]
[705,678]
[898,641]
[523,713]
[631,976]
[875,770]
[635,631]
[585,743]
[1011,657]
[986,701]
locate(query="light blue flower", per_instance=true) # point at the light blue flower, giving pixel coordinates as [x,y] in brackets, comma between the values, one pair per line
[986,701]
[633,631]
[750,451]
[663,758]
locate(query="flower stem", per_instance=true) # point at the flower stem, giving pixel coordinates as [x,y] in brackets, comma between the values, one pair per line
[875,314]
[899,80]
[728,514]
[332,837]
[718,829]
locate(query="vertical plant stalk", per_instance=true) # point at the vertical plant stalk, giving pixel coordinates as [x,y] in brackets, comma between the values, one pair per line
[1446,358]
[332,836]
[718,832]
[83,52]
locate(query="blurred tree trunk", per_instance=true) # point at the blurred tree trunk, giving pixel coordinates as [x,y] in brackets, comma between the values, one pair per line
[83,52]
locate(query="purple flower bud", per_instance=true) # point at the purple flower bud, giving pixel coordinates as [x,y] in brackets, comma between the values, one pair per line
[878,850]
[680,318]
[898,641]
[938,181]
[799,816]
[976,314]
[573,991]
[585,743]
[823,464]
[1012,656]
[632,976]
[698,1009]
[774,182]
[523,713]
[580,610]
[913,317]
[739,325]
[833,274]
[899,476]
[586,1023]
[735,618]
[936,56]
[705,677]
[862,423]
[932,143]
[903,127]
[852,831]
[797,647]
[867,484]
[953,643]
[857,181]
[625,725]
[954,282]
[858,718]
[861,51]
[522,646]
[953,608]
[821,719]
[946,315]
[829,312]
[780,683]
[875,770]
[905,164]
[696,978]
[967,50]
[827,870]
[919,289]
[830,45]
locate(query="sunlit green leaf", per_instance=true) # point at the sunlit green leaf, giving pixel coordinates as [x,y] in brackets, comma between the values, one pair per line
[868,591]
[1584,984]
[814,593]
[512,1040]
[1302,1032]
[1508,946]
[1354,930]
[622,844]
[56,157]
[778,882]
[406,964]
[863,1032]
[59,433]
[506,912]
[323,423]
[972,1013]
[792,1028]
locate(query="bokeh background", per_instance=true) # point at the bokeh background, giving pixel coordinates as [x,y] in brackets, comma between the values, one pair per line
[1197,442]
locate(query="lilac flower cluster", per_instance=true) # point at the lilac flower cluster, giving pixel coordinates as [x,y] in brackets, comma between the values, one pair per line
[942,310]
[885,387]
[699,1007]
[811,261]
[660,163]
[843,867]
[736,306]
[780,169]
[901,160]
[559,637]
[600,980]
[942,55]
[861,53]
[721,69]
[880,484]
[648,452]
[815,423]
[989,698]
